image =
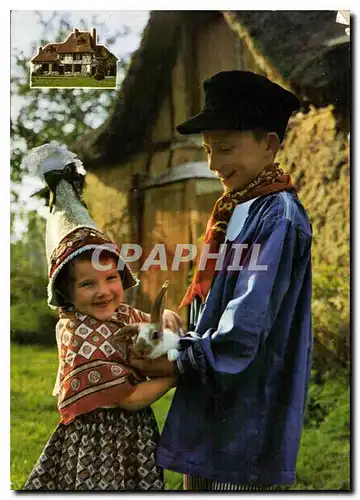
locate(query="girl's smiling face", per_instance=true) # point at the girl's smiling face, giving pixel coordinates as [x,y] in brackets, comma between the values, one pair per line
[94,292]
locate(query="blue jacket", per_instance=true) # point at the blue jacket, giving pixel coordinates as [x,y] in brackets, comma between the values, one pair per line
[238,408]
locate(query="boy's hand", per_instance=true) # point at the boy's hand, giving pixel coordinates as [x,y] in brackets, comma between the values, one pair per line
[160,367]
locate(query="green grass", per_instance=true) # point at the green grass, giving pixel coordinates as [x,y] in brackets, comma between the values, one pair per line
[71,81]
[323,462]
[33,410]
[324,456]
[173,480]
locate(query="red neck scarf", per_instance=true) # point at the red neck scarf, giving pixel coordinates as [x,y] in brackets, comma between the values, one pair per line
[270,180]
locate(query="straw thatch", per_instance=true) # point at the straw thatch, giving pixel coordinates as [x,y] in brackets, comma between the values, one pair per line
[299,46]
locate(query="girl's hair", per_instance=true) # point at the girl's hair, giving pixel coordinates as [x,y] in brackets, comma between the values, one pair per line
[65,280]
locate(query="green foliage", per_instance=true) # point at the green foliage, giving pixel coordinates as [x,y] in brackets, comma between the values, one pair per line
[324,456]
[28,263]
[316,152]
[324,393]
[50,114]
[100,69]
[33,323]
[331,316]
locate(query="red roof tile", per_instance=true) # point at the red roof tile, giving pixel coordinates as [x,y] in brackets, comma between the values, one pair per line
[48,53]
[77,42]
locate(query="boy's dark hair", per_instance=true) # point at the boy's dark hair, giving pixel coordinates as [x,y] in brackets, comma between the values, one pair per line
[65,279]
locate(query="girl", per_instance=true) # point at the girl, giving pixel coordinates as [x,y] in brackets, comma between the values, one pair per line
[107,434]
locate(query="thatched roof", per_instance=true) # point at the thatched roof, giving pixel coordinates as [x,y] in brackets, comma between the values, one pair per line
[291,45]
[299,47]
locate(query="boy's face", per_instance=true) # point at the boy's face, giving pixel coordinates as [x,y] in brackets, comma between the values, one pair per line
[96,293]
[237,157]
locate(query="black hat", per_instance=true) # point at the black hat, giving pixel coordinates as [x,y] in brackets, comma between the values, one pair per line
[242,100]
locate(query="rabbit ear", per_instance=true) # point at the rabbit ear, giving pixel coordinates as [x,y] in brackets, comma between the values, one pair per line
[157,307]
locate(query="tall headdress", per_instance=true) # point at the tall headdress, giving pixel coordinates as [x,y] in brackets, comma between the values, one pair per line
[69,228]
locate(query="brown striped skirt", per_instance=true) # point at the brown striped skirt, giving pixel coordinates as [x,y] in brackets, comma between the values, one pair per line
[107,449]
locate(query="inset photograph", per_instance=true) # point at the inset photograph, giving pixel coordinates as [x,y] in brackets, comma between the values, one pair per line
[77,62]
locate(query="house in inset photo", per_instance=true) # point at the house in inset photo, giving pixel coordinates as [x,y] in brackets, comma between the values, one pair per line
[77,62]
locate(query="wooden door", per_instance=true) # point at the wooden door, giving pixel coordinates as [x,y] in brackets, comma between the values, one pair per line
[174,214]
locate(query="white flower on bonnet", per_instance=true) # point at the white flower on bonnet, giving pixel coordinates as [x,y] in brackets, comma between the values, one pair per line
[49,157]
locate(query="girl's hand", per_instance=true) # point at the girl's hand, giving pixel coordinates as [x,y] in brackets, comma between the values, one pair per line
[172,320]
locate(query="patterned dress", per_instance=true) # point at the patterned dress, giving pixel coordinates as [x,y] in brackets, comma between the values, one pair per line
[97,445]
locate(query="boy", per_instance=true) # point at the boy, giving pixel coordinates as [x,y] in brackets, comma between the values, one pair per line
[236,417]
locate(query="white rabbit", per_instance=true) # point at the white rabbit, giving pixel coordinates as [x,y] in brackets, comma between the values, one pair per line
[152,340]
